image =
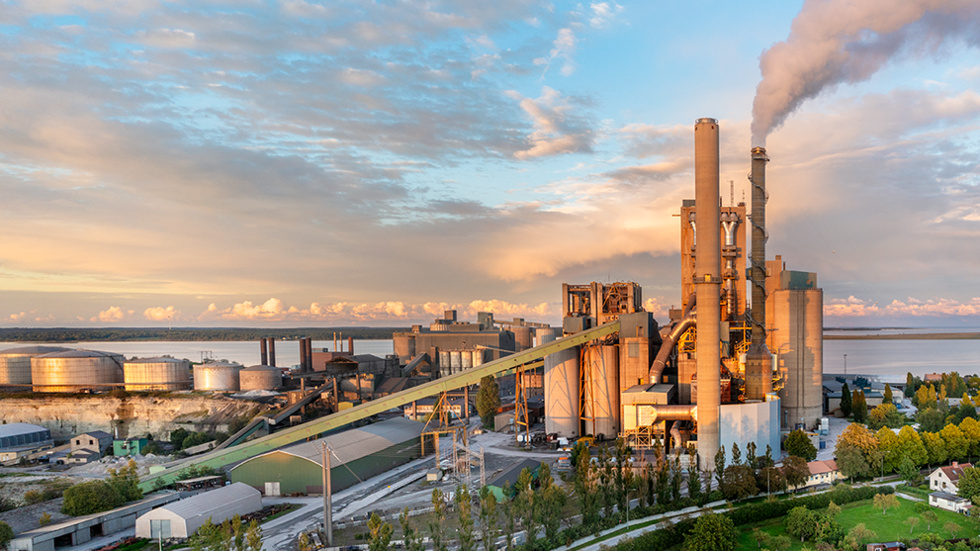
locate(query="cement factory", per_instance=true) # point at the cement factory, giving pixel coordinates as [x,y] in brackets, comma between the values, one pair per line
[739,361]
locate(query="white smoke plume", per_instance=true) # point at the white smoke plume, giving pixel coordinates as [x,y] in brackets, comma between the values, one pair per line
[846,41]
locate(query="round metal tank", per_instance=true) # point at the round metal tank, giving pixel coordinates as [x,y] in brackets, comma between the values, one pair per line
[466,359]
[522,337]
[602,403]
[157,374]
[75,370]
[15,363]
[561,393]
[217,376]
[455,360]
[543,335]
[798,345]
[259,377]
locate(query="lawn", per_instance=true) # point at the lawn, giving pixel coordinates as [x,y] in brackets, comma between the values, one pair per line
[888,527]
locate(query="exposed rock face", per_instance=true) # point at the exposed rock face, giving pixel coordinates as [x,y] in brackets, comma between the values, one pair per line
[133,415]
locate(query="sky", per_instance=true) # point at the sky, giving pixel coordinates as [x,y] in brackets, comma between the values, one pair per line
[296,163]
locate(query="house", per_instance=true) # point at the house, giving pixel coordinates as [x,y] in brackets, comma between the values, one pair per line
[950,502]
[945,479]
[90,446]
[822,472]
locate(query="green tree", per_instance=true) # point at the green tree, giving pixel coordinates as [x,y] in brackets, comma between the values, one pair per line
[801,522]
[712,532]
[91,497]
[887,399]
[464,507]
[6,534]
[859,406]
[488,400]
[845,401]
[488,518]
[799,444]
[380,533]
[411,536]
[795,471]
[437,521]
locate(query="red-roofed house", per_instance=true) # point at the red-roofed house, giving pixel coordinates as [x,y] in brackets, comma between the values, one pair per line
[945,479]
[822,472]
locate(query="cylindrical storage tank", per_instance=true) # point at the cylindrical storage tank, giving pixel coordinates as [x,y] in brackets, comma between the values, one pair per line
[798,343]
[543,335]
[259,377]
[217,376]
[75,370]
[478,357]
[15,363]
[466,359]
[602,402]
[522,337]
[444,361]
[561,394]
[157,374]
[455,360]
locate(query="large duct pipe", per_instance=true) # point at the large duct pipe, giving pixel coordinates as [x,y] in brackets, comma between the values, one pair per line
[758,360]
[677,329]
[272,351]
[263,353]
[707,285]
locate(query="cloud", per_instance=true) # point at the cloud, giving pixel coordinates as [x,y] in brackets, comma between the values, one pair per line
[558,129]
[160,313]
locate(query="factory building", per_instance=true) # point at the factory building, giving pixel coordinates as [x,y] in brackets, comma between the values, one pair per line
[358,454]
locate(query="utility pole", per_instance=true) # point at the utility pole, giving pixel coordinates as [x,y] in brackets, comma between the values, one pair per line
[327,505]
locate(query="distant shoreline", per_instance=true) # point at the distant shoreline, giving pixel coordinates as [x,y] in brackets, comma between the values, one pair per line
[904,337]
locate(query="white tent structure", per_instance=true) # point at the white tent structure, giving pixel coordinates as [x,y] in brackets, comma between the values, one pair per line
[182,518]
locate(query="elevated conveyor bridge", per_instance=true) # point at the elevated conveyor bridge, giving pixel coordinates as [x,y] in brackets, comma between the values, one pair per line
[311,429]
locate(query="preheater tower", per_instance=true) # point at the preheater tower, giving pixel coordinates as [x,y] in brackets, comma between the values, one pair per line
[707,286]
[758,360]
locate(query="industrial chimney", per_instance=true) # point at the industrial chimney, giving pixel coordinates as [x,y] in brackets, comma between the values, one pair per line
[758,360]
[707,286]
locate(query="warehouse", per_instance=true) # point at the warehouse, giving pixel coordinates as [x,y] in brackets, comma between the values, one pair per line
[358,454]
[182,518]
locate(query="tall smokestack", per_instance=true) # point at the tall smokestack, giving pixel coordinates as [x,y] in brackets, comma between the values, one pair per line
[707,285]
[263,355]
[758,360]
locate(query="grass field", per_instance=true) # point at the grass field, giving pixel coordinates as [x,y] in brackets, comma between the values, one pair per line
[888,527]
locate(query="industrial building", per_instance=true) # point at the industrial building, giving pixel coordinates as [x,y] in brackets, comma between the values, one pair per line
[357,454]
[20,439]
[182,518]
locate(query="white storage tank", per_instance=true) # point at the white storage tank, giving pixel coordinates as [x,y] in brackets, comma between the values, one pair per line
[76,370]
[260,377]
[217,376]
[561,394]
[602,409]
[15,363]
[157,374]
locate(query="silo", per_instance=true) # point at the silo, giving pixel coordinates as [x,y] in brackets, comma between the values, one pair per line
[157,374]
[561,382]
[217,376]
[466,359]
[798,343]
[74,370]
[522,337]
[15,363]
[602,399]
[259,377]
